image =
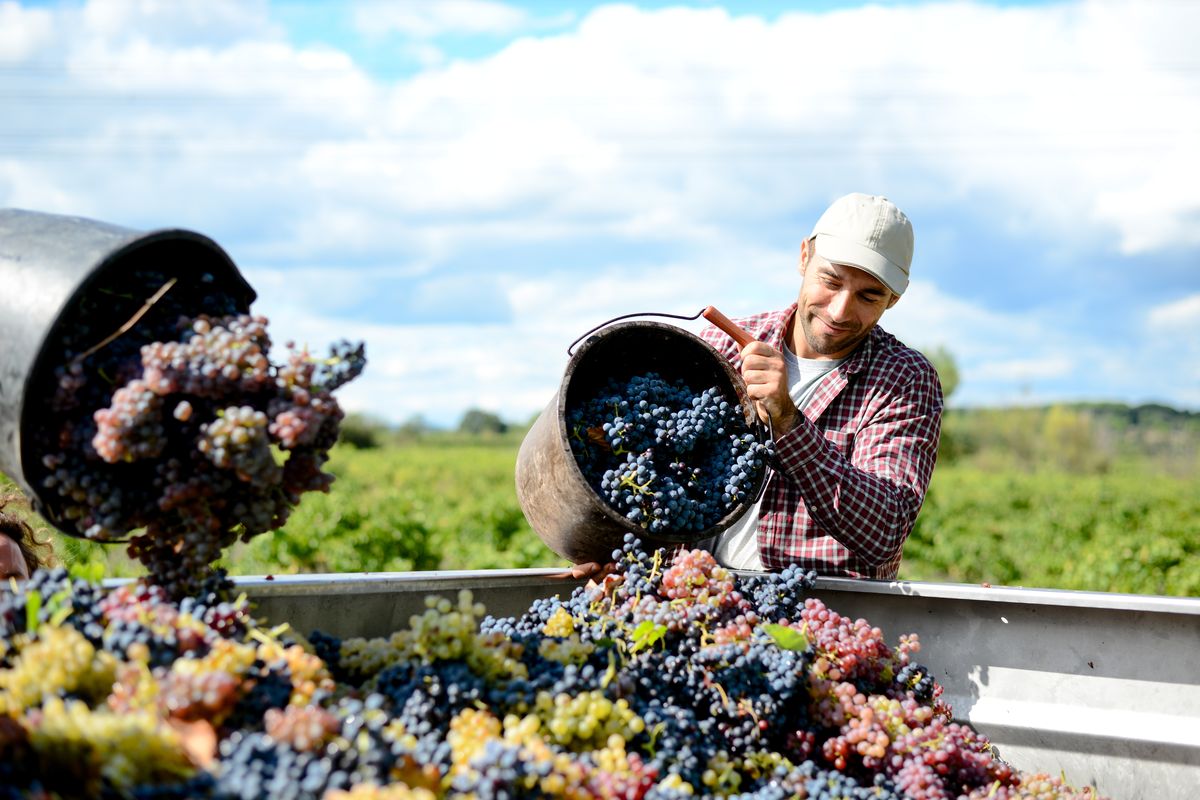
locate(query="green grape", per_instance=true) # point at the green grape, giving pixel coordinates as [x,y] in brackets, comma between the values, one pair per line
[59,661]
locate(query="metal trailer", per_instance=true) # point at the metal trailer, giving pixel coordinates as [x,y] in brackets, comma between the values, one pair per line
[1104,688]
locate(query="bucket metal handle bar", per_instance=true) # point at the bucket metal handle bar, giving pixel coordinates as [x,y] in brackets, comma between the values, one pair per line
[710,313]
[571,347]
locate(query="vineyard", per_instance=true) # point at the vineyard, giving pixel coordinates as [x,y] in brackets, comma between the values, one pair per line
[448,503]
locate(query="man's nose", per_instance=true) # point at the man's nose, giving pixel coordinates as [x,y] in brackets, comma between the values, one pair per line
[840,306]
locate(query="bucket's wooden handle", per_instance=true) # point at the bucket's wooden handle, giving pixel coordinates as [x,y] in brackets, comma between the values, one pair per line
[729,326]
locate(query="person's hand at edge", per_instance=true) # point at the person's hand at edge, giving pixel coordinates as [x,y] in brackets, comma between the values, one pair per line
[591,571]
[765,373]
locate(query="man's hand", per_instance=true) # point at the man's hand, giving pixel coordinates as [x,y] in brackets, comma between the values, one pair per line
[765,373]
[593,571]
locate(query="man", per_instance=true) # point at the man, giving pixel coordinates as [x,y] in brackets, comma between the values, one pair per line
[856,414]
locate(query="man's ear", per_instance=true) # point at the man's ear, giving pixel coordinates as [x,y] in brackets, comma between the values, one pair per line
[893,301]
[806,251]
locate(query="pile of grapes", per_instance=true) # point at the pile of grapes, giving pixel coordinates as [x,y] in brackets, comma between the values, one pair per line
[182,429]
[671,679]
[667,458]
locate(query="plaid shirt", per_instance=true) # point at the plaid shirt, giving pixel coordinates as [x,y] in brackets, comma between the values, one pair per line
[851,476]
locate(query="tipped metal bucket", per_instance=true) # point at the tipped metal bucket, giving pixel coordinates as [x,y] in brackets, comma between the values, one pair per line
[47,263]
[560,505]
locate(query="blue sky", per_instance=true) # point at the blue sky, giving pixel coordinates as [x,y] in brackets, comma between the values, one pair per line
[469,184]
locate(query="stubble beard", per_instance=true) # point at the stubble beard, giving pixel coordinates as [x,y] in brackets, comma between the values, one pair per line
[827,345]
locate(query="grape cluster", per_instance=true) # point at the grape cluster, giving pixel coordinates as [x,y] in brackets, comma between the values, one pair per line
[671,679]
[669,459]
[238,440]
[181,433]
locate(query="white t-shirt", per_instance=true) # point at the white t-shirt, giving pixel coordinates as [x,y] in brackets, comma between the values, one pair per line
[737,547]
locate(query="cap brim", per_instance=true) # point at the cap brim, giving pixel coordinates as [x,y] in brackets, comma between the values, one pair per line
[853,254]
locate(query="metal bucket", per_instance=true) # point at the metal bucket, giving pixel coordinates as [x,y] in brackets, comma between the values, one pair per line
[561,507]
[48,263]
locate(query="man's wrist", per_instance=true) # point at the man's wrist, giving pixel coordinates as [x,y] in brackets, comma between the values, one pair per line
[786,423]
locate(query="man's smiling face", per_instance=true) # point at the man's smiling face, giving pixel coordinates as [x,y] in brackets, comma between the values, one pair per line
[837,307]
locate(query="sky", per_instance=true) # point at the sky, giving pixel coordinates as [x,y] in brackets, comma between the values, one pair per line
[470,185]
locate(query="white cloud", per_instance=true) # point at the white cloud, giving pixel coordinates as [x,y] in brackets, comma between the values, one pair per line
[1024,369]
[425,54]
[426,19]
[23,32]
[1150,212]
[707,112]
[438,371]
[675,120]
[494,165]
[180,23]
[650,160]
[1178,316]
[240,81]
[31,190]
[1174,334]
[990,348]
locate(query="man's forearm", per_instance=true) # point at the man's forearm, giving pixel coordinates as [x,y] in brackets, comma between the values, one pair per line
[869,506]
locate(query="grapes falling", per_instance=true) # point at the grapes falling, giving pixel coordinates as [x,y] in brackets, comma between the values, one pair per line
[666,457]
[182,435]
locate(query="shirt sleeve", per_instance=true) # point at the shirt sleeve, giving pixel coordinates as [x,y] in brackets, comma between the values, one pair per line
[869,501]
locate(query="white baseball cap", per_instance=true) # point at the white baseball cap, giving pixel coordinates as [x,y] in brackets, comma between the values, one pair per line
[870,233]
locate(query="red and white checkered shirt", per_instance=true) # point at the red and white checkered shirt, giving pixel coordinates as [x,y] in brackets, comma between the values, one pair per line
[853,472]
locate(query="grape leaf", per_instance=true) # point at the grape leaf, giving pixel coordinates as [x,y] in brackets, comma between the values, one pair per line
[646,634]
[33,604]
[787,638]
[92,571]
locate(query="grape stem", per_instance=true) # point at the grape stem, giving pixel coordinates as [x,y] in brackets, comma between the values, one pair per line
[121,331]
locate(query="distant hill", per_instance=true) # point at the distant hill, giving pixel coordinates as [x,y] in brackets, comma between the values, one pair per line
[1120,414]
[1080,436]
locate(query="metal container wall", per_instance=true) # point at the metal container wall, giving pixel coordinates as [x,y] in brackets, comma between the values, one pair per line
[47,262]
[1100,687]
[1103,688]
[561,507]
